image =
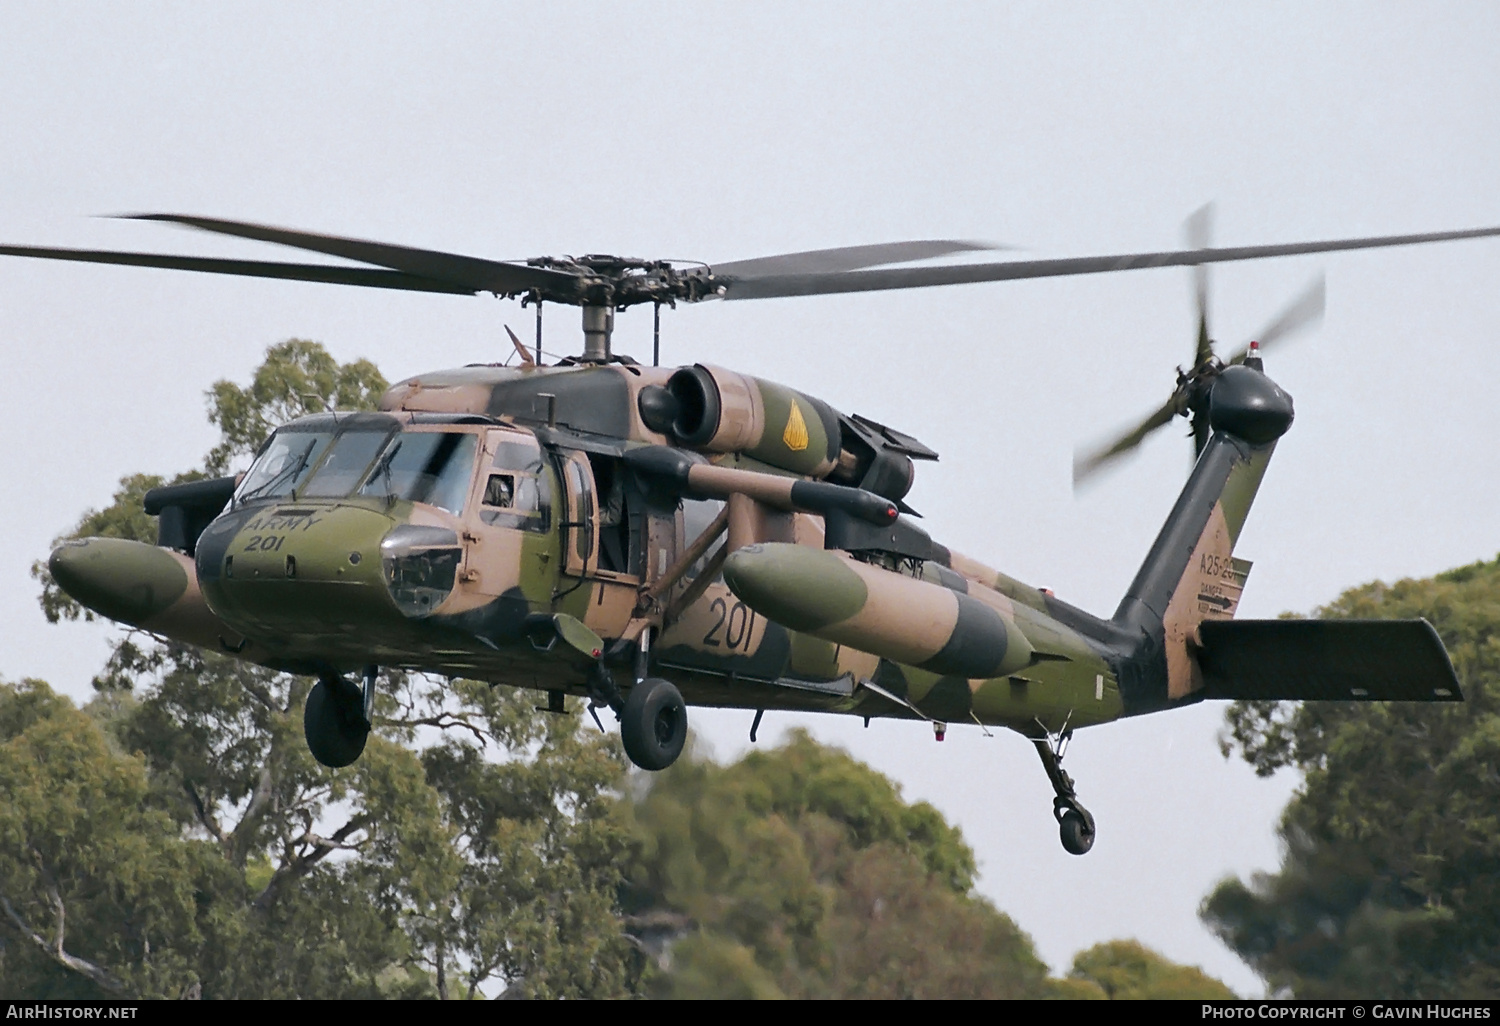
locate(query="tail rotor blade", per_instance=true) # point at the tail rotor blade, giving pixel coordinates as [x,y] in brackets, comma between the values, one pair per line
[1197,232]
[1086,463]
[1303,312]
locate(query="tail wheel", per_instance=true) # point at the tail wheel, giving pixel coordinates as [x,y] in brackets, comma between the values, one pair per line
[653,724]
[334,723]
[1077,833]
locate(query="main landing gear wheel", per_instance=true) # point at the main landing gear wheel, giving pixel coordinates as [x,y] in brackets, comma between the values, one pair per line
[653,724]
[334,721]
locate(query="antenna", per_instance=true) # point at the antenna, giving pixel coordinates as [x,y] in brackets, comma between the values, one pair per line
[538,296]
[526,360]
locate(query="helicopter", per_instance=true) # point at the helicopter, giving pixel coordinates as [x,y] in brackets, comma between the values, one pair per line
[650,538]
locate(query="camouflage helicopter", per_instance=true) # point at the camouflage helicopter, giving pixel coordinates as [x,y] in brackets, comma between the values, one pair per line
[651,538]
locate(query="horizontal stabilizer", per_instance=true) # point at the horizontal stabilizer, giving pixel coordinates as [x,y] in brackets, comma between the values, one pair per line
[1326,661]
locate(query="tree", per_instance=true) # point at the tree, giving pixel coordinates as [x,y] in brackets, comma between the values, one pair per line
[1126,970]
[1390,879]
[97,890]
[801,873]
[298,377]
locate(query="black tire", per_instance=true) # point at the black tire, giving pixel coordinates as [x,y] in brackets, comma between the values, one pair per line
[653,724]
[334,723]
[1077,834]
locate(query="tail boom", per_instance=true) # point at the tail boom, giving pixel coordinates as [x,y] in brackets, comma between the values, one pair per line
[1191,574]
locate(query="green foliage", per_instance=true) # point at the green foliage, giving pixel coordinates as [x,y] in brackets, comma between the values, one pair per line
[1390,880]
[539,853]
[801,873]
[488,857]
[1130,971]
[98,891]
[298,377]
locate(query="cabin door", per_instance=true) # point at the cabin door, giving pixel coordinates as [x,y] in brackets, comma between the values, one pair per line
[580,520]
[611,532]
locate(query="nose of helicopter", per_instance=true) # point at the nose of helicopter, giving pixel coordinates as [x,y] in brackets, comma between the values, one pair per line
[299,568]
[123,580]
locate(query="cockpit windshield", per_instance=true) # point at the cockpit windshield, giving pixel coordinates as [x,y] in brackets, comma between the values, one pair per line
[434,467]
[283,464]
[345,465]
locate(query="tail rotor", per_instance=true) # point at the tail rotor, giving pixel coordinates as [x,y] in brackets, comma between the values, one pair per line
[1190,397]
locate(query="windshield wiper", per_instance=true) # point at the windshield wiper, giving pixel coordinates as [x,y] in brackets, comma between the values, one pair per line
[290,470]
[383,468]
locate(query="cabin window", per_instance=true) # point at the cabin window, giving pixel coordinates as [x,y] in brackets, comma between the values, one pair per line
[581,490]
[697,515]
[518,456]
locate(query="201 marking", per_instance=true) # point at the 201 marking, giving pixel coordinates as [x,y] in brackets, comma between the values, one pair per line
[737,620]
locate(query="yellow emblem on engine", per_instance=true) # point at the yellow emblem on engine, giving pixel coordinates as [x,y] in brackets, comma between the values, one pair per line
[795,435]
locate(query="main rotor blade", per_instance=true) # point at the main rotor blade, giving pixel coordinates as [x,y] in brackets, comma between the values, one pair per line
[367,276]
[473,273]
[1197,232]
[1086,464]
[962,274]
[847,258]
[1304,311]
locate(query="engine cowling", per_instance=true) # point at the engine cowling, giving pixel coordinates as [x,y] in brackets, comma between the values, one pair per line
[718,410]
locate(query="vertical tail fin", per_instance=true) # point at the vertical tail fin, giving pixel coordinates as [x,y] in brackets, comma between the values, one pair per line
[1191,574]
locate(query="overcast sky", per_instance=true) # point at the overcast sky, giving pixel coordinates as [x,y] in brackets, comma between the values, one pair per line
[711,131]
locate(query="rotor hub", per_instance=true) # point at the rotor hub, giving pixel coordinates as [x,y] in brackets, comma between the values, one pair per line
[602,279]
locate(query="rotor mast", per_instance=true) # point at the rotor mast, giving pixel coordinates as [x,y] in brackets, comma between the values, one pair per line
[598,326]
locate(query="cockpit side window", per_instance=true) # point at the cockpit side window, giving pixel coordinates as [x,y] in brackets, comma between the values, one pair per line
[518,455]
[518,493]
[500,490]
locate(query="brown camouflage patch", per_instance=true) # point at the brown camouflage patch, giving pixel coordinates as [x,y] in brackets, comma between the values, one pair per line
[1203,592]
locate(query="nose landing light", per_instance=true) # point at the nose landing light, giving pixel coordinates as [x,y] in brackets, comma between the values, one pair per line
[420,565]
